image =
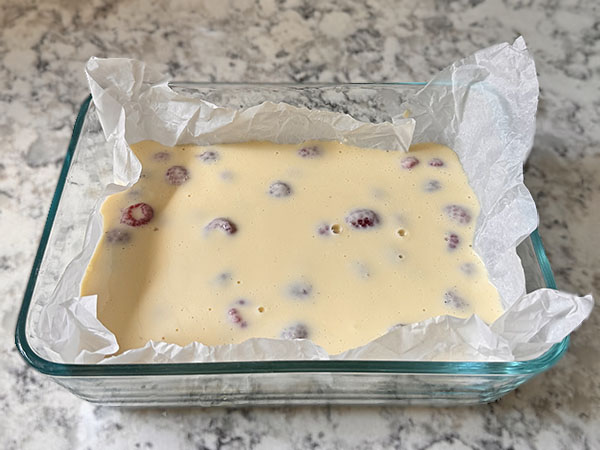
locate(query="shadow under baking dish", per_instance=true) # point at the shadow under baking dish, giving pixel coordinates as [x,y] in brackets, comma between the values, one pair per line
[87,168]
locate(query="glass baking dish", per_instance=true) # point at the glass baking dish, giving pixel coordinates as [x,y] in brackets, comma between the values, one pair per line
[87,168]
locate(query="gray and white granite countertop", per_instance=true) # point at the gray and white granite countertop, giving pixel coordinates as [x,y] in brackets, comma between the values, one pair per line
[43,48]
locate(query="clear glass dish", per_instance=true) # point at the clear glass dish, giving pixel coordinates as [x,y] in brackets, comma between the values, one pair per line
[87,168]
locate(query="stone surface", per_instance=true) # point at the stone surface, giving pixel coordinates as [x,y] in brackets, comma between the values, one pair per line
[43,48]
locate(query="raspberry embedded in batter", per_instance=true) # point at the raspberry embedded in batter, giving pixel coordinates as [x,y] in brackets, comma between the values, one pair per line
[309,152]
[452,239]
[324,229]
[279,189]
[118,236]
[209,156]
[137,215]
[455,301]
[235,317]
[295,331]
[468,268]
[177,175]
[362,218]
[436,162]
[162,156]
[432,186]
[457,214]
[223,224]
[223,278]
[300,289]
[409,162]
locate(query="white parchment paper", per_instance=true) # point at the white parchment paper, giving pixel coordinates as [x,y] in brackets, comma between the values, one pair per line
[482,106]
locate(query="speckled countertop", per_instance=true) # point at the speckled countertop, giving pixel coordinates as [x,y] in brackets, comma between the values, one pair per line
[43,48]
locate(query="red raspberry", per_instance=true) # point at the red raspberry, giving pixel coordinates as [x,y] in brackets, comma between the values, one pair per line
[235,317]
[436,162]
[452,239]
[137,215]
[300,289]
[455,301]
[295,331]
[409,162]
[222,224]
[162,156]
[208,156]
[177,175]
[324,229]
[362,218]
[458,214]
[432,186]
[279,189]
[118,236]
[309,152]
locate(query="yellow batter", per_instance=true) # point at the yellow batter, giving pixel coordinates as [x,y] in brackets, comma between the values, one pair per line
[322,241]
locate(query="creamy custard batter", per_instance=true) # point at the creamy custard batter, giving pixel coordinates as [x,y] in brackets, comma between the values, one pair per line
[323,241]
